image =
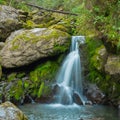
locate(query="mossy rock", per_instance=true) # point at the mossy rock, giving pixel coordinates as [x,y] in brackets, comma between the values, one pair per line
[10,112]
[59,27]
[112,66]
[36,84]
[9,21]
[26,46]
[0,72]
[99,58]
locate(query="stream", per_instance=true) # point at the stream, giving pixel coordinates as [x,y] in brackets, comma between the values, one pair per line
[69,112]
[69,84]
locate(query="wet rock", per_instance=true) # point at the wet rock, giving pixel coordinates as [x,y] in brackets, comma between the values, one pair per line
[88,103]
[94,94]
[9,21]
[26,46]
[9,111]
[56,88]
[66,95]
[77,99]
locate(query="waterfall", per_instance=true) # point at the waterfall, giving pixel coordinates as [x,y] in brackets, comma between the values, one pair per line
[69,79]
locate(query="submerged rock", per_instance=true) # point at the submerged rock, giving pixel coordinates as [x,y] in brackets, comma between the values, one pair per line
[10,20]
[9,111]
[26,46]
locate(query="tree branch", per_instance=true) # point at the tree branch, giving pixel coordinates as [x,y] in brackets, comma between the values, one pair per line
[51,10]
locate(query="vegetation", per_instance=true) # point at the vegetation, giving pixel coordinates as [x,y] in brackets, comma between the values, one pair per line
[97,20]
[36,84]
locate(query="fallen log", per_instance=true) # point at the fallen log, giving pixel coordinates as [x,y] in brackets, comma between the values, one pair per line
[51,10]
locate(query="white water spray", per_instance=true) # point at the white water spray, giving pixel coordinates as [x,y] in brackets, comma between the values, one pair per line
[69,79]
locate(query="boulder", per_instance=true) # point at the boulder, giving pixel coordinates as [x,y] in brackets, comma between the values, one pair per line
[0,71]
[23,47]
[77,98]
[10,20]
[1,45]
[66,95]
[100,57]
[9,111]
[112,67]
[94,94]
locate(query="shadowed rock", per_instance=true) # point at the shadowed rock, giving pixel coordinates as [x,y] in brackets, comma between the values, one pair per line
[77,99]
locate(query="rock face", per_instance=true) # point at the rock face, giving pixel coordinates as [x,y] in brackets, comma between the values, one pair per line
[100,57]
[113,65]
[9,21]
[26,46]
[8,111]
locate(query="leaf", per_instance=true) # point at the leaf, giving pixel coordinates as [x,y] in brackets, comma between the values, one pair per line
[12,77]
[41,89]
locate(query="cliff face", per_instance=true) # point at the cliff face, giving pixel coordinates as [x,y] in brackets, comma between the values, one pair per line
[103,48]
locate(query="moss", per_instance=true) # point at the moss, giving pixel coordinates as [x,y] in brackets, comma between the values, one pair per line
[60,48]
[28,36]
[115,64]
[52,33]
[15,47]
[23,37]
[97,60]
[45,71]
[59,27]
[30,24]
[0,8]
[0,71]
[42,77]
[11,77]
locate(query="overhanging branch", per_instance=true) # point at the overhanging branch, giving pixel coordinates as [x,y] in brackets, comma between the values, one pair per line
[51,10]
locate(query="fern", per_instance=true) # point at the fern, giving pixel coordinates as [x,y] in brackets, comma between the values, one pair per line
[40,91]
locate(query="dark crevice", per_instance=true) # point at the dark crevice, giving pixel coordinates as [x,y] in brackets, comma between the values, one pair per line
[29,67]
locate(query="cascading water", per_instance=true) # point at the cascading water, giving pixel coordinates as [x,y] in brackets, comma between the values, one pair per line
[69,79]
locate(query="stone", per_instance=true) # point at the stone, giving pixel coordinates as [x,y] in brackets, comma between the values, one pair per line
[24,47]
[1,45]
[94,94]
[9,111]
[112,65]
[0,71]
[77,99]
[100,57]
[66,96]
[9,21]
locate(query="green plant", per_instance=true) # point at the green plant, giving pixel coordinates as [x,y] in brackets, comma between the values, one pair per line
[2,2]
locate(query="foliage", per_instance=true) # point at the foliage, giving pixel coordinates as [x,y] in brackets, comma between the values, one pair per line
[95,19]
[36,84]
[2,2]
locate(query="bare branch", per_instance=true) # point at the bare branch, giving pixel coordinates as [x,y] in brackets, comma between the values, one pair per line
[57,11]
